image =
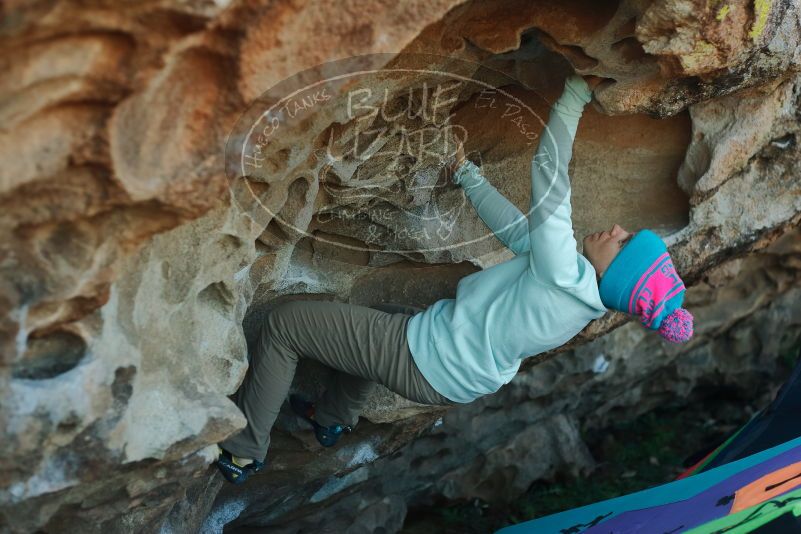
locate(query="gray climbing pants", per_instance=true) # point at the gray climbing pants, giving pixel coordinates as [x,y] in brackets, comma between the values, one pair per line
[365,345]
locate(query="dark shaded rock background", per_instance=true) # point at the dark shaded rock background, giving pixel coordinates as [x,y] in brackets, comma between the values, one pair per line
[129,266]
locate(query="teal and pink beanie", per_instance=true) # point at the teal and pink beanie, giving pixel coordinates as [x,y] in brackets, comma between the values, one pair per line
[642,281]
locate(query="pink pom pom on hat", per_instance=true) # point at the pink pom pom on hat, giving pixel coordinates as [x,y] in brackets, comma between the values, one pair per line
[677,327]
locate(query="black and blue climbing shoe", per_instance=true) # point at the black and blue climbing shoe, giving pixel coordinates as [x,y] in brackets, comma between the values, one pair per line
[326,435]
[233,469]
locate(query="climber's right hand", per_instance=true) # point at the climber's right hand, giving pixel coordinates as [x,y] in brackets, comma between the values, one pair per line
[592,81]
[457,160]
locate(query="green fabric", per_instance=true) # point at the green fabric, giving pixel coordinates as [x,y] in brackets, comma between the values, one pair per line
[471,345]
[754,517]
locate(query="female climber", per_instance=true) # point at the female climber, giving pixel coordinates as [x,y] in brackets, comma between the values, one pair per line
[462,348]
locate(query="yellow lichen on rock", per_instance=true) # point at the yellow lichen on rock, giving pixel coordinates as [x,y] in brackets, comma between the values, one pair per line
[703,53]
[761,11]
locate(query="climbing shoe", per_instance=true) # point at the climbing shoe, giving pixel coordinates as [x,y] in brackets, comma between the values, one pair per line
[234,469]
[326,435]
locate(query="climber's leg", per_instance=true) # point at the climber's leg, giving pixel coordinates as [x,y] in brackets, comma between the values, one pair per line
[266,384]
[382,335]
[344,398]
[362,342]
[390,307]
[322,330]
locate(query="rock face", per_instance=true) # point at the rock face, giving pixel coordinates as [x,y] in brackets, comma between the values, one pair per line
[133,250]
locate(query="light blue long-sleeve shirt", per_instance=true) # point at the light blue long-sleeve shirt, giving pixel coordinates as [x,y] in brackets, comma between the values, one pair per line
[471,345]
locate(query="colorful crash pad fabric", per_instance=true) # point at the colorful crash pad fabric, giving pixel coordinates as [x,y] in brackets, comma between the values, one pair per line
[783,512]
[751,483]
[692,503]
[779,422]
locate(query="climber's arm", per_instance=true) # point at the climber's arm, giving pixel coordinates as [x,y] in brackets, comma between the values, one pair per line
[501,216]
[553,254]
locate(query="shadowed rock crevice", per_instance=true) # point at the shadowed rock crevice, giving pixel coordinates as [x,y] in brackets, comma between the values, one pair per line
[50,355]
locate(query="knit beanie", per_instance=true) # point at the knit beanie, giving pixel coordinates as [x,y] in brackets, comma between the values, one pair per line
[642,281]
